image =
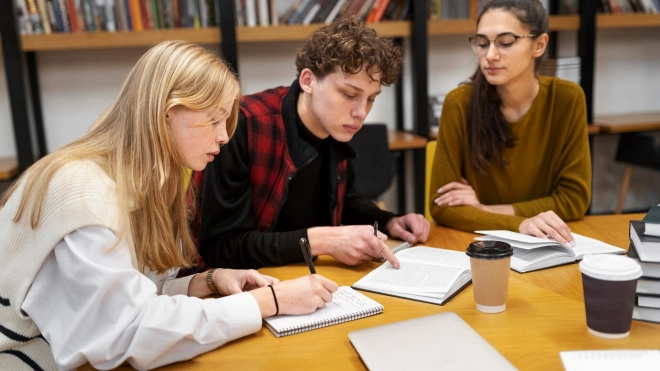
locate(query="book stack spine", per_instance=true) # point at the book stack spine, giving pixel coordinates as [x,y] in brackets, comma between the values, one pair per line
[645,248]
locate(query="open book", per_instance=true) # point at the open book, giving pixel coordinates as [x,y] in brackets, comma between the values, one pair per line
[346,305]
[427,274]
[532,253]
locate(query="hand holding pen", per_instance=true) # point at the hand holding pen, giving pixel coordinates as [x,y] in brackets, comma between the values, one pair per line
[350,244]
[307,254]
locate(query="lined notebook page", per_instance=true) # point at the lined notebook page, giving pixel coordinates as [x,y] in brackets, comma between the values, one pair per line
[611,360]
[347,305]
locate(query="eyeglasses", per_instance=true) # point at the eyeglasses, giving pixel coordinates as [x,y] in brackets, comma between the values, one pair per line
[503,43]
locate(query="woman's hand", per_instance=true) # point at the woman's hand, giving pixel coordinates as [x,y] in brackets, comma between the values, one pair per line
[234,281]
[547,224]
[297,296]
[457,194]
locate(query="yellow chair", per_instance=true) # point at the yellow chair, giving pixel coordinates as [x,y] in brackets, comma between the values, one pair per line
[430,154]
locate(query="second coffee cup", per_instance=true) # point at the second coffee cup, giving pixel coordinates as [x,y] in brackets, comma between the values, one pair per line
[490,262]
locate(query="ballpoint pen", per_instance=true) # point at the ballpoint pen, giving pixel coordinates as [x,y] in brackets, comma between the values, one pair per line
[307,253]
[376,229]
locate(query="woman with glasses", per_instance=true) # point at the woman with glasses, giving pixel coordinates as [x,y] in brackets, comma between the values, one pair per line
[513,149]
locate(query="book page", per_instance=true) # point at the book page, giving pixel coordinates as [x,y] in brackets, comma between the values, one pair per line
[424,271]
[586,245]
[525,260]
[345,301]
[413,277]
[424,254]
[610,360]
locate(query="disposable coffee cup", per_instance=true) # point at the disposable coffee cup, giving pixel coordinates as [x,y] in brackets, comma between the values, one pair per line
[609,283]
[490,261]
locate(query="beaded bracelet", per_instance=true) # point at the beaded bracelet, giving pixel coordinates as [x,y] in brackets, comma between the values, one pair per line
[277,307]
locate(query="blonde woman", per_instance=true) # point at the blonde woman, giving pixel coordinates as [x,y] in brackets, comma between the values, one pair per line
[94,234]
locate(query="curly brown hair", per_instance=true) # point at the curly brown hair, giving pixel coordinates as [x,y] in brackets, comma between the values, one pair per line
[352,45]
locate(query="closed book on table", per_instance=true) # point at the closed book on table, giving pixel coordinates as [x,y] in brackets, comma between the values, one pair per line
[647,247]
[649,270]
[652,222]
[646,314]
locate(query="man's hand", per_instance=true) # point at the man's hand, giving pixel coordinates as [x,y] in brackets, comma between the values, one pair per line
[410,227]
[547,224]
[352,245]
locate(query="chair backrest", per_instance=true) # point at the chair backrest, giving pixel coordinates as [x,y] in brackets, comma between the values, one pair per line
[374,166]
[430,154]
[638,149]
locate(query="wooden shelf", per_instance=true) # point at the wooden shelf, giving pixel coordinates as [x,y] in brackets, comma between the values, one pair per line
[8,168]
[629,123]
[564,23]
[301,32]
[211,35]
[452,27]
[632,20]
[105,40]
[468,26]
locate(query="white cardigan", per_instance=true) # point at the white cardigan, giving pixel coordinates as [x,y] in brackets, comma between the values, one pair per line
[62,283]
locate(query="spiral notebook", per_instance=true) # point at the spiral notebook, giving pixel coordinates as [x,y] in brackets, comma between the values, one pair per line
[346,305]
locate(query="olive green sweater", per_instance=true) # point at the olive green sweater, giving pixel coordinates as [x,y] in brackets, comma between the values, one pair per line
[548,169]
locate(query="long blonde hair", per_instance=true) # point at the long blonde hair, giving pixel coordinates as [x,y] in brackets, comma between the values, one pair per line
[133,145]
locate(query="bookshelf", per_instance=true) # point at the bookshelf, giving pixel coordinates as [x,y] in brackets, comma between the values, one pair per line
[300,32]
[20,55]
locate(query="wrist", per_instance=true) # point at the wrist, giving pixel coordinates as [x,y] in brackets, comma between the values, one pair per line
[317,238]
[264,298]
[197,286]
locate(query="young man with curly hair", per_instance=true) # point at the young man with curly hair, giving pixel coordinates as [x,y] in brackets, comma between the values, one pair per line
[286,175]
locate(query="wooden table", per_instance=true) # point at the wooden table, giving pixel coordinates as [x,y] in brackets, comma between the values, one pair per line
[615,124]
[544,315]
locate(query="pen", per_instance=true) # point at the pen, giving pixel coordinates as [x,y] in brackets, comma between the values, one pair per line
[376,229]
[307,253]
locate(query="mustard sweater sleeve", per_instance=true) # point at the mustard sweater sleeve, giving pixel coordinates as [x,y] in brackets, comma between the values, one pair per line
[549,168]
[448,165]
[570,173]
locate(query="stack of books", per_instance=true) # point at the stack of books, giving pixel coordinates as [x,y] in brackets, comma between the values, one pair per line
[567,68]
[645,248]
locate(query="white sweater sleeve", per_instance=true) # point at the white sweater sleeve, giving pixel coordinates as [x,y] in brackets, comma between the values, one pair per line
[92,306]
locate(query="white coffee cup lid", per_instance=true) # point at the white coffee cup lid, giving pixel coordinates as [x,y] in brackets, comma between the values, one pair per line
[610,267]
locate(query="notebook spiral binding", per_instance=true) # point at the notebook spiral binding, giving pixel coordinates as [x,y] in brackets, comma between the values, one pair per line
[331,321]
[403,246]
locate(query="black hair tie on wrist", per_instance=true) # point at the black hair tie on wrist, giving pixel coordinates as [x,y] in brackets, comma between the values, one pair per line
[277,307]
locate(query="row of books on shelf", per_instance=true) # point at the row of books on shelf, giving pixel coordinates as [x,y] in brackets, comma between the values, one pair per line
[567,68]
[628,6]
[645,248]
[613,6]
[62,16]
[252,13]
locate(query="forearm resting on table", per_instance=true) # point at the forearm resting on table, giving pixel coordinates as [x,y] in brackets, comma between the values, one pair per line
[499,209]
[263,295]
